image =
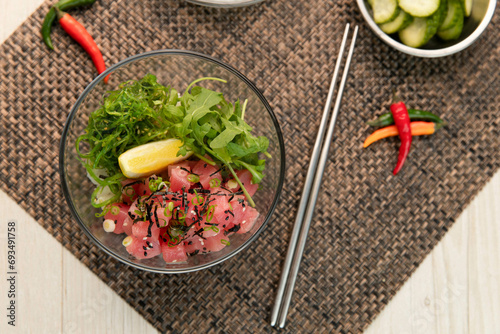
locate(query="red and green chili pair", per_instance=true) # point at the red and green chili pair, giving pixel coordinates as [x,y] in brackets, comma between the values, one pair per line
[404,127]
[51,17]
[75,29]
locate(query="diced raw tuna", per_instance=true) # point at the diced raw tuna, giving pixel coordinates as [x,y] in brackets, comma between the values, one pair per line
[244,217]
[216,243]
[222,214]
[210,230]
[163,234]
[194,215]
[130,190]
[202,227]
[173,254]
[249,218]
[178,178]
[190,234]
[140,230]
[163,215]
[187,214]
[246,178]
[127,226]
[118,212]
[195,245]
[206,172]
[184,164]
[134,212]
[144,249]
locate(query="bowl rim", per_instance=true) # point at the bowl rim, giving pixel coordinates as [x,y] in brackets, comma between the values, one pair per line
[425,53]
[224,4]
[144,55]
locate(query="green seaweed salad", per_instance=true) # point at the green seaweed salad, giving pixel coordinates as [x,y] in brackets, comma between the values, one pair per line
[144,111]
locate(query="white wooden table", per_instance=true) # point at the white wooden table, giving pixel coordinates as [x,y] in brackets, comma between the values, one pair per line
[455,290]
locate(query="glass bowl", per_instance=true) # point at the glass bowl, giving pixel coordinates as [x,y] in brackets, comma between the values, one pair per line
[176,68]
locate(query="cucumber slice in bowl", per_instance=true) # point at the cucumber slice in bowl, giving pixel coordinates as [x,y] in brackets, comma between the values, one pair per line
[453,32]
[384,10]
[419,8]
[421,30]
[417,33]
[467,6]
[402,21]
[453,15]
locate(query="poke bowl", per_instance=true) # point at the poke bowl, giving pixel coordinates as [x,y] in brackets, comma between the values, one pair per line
[173,166]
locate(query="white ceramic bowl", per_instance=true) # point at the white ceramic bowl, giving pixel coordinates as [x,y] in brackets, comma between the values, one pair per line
[225,3]
[482,12]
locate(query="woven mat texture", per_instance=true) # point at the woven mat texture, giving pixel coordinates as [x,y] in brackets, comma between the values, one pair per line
[371,230]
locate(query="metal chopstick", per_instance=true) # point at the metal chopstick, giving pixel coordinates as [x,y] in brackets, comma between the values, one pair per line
[307,184]
[290,283]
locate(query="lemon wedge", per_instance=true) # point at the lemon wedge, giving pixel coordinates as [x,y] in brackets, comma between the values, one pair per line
[150,158]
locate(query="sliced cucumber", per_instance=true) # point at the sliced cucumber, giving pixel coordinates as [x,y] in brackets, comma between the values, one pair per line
[442,10]
[421,30]
[419,8]
[415,35]
[453,32]
[385,10]
[453,14]
[402,21]
[467,5]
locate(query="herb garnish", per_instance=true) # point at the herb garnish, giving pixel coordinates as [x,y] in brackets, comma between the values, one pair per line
[143,111]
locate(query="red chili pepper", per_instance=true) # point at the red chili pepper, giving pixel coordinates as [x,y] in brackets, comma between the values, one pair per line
[78,32]
[402,121]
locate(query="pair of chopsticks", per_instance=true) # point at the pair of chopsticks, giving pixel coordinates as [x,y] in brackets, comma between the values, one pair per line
[311,189]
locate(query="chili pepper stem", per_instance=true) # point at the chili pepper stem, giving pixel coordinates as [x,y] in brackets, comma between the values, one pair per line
[440,125]
[59,13]
[395,97]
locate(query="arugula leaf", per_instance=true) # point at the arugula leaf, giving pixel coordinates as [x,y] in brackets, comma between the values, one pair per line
[256,170]
[225,137]
[237,108]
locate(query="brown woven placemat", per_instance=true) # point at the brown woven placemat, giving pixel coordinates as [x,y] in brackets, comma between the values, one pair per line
[371,230]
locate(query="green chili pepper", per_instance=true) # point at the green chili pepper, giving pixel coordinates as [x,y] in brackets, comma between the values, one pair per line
[51,17]
[415,114]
